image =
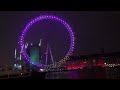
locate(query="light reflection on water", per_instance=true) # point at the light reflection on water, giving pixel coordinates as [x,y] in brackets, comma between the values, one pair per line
[106,73]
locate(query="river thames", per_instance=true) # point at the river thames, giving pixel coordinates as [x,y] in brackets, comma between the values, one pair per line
[101,73]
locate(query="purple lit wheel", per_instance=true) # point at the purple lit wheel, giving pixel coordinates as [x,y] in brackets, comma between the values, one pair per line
[45,17]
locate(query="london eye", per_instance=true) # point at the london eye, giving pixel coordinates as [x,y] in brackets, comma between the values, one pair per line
[40,19]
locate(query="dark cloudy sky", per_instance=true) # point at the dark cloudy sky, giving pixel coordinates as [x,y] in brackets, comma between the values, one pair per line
[93,30]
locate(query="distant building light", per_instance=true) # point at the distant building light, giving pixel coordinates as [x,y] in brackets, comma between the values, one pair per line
[20,66]
[15,65]
[41,70]
[25,46]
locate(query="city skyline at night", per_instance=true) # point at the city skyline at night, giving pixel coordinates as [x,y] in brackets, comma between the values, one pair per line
[94,30]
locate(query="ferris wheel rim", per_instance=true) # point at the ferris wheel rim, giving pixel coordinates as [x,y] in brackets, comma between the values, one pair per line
[50,17]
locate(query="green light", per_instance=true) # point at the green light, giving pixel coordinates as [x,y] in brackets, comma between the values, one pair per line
[34,55]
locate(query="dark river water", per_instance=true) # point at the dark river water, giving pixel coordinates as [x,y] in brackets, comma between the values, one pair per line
[103,73]
[91,73]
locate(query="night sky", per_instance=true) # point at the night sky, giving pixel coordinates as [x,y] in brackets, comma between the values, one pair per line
[94,30]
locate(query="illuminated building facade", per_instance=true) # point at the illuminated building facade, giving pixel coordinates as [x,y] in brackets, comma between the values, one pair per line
[34,53]
[90,61]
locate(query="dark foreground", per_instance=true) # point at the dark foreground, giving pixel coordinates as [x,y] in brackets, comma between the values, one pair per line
[99,73]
